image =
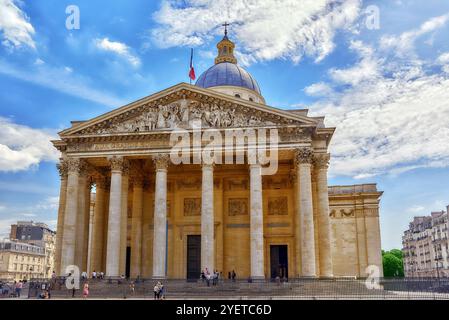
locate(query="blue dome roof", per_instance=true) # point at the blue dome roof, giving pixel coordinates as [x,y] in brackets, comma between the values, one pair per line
[227,74]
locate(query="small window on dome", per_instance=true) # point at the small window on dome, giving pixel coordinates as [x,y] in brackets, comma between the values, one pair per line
[251,99]
[237,96]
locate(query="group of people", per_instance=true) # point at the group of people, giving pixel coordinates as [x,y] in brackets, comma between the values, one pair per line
[207,276]
[96,275]
[16,289]
[159,291]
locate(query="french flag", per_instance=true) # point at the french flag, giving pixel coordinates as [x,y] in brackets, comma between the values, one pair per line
[192,75]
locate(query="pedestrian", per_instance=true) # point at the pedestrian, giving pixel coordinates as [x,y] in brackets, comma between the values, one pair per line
[19,286]
[161,292]
[233,275]
[86,291]
[94,274]
[132,287]
[84,275]
[157,291]
[229,275]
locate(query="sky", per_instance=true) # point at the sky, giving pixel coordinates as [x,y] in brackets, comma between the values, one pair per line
[377,70]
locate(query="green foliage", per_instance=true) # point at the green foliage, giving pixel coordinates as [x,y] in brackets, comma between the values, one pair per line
[392,263]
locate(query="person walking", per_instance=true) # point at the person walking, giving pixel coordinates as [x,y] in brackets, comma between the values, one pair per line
[94,274]
[86,291]
[162,292]
[157,291]
[19,286]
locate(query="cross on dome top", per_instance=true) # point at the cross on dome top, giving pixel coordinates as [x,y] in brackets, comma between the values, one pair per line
[225,48]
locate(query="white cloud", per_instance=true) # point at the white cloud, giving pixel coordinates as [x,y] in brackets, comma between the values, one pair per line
[62,80]
[390,119]
[318,89]
[5,227]
[416,209]
[265,29]
[444,58]
[15,26]
[118,48]
[404,44]
[22,147]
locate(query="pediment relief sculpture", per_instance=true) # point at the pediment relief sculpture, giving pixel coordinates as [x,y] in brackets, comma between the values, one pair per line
[185,114]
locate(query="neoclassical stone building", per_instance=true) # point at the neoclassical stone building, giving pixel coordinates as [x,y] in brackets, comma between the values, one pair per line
[155,218]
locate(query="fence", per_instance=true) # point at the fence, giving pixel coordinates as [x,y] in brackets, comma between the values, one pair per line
[328,289]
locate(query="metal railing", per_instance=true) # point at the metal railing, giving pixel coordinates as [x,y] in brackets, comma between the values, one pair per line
[301,288]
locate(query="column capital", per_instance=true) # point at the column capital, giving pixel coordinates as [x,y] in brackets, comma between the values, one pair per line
[321,160]
[63,169]
[161,161]
[75,165]
[304,156]
[117,163]
[206,165]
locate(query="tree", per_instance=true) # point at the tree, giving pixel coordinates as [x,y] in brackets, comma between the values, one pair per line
[392,263]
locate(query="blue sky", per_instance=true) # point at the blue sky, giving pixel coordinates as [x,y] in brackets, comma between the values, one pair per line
[386,89]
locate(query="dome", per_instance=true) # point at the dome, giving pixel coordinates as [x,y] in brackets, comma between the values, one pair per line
[227,74]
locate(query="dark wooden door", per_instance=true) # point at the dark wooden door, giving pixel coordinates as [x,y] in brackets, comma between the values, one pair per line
[279,261]
[193,257]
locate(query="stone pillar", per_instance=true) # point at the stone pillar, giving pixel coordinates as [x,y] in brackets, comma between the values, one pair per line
[81,218]
[91,232]
[98,223]
[304,158]
[62,168]
[70,215]
[324,228]
[256,223]
[207,219]
[160,216]
[114,218]
[87,215]
[124,219]
[136,227]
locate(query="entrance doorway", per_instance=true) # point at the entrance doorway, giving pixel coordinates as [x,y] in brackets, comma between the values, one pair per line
[279,261]
[193,257]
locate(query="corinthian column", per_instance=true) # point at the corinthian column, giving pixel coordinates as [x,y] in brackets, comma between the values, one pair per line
[160,216]
[136,227]
[207,218]
[324,229]
[96,259]
[70,215]
[256,223]
[62,168]
[304,158]
[81,217]
[114,218]
[124,219]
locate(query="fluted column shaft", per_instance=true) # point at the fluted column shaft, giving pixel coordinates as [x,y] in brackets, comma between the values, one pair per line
[160,217]
[81,220]
[136,228]
[324,228]
[114,218]
[256,223]
[62,167]
[70,215]
[207,219]
[124,221]
[304,164]
[98,224]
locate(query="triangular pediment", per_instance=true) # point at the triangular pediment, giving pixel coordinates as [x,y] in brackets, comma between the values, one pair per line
[182,105]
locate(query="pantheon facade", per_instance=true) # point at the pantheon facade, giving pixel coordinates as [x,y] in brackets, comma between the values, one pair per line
[126,208]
